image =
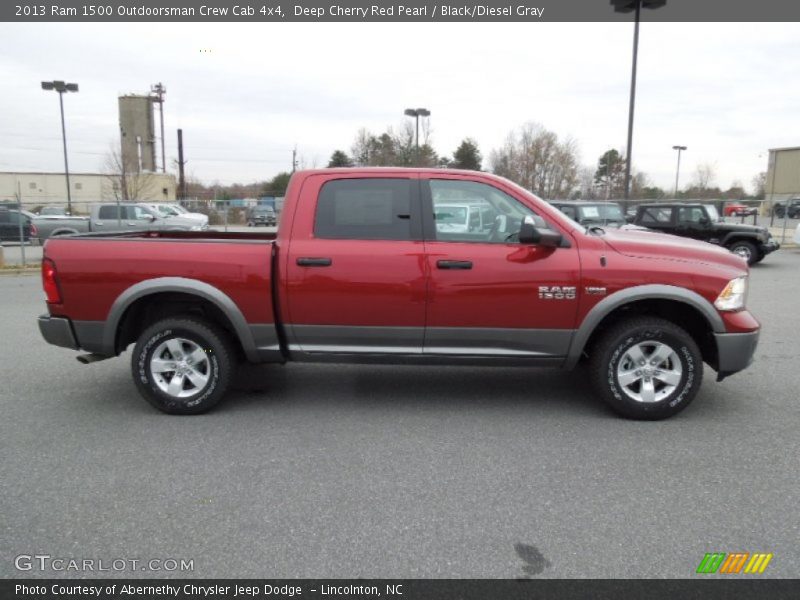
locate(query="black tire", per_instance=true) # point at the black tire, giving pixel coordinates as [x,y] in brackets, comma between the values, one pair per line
[611,353]
[216,365]
[250,223]
[747,250]
[779,212]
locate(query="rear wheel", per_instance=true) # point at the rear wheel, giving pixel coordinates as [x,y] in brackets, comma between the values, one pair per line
[746,250]
[779,212]
[646,368]
[182,366]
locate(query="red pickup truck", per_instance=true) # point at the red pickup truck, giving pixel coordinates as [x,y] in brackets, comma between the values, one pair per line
[367,266]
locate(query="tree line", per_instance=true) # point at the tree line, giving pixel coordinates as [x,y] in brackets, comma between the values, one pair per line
[531,156]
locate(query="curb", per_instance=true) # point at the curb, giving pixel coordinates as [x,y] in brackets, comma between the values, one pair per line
[25,271]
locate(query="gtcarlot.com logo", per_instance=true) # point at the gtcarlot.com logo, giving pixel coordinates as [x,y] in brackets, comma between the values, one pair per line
[45,562]
[734,563]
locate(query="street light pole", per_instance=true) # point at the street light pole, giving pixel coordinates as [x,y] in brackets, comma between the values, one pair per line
[626,6]
[61,88]
[417,113]
[678,169]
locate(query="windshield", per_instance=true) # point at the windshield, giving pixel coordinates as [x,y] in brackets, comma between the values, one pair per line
[712,213]
[601,213]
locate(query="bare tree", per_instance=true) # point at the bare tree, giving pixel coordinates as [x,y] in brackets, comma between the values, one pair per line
[126,186]
[760,185]
[534,158]
[704,176]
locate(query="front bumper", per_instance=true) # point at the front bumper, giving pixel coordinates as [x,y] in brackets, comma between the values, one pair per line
[58,331]
[770,246]
[735,352]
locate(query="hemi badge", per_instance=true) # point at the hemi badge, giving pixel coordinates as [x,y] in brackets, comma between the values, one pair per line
[596,291]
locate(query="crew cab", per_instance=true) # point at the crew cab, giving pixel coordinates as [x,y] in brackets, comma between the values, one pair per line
[360,271]
[702,222]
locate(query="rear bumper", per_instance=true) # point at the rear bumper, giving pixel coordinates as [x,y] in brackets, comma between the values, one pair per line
[58,331]
[735,352]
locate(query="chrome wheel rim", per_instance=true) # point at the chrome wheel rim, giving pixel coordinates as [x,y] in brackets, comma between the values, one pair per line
[649,371]
[180,367]
[742,251]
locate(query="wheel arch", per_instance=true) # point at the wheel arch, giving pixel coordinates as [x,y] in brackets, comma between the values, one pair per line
[683,307]
[222,308]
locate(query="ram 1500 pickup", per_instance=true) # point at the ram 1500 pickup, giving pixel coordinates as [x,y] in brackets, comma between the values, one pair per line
[362,271]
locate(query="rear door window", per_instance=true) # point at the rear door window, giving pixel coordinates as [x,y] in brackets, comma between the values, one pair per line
[364,209]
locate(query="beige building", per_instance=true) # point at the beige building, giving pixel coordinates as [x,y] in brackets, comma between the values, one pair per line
[783,174]
[40,189]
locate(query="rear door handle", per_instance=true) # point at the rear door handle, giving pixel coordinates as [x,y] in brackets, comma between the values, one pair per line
[314,262]
[454,264]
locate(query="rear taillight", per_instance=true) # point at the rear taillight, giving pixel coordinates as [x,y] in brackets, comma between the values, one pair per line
[50,282]
[34,231]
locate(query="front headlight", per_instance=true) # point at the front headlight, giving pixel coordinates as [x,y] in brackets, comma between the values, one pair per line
[734,296]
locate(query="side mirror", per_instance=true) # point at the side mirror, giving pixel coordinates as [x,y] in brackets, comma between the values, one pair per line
[529,234]
[705,221]
[150,217]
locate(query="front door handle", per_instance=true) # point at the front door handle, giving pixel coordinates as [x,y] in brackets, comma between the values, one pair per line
[314,262]
[454,264]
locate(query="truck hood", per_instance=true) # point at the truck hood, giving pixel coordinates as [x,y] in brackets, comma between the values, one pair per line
[643,243]
[727,227]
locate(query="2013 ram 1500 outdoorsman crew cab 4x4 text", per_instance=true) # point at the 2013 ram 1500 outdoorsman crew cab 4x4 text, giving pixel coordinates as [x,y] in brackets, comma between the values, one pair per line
[360,270]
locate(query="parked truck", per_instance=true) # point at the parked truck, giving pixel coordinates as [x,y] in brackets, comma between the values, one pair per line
[702,222]
[360,272]
[114,217]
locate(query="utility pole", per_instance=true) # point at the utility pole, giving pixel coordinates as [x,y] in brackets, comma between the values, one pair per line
[294,159]
[181,163]
[158,90]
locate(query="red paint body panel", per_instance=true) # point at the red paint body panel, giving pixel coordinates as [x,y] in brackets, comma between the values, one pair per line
[92,273]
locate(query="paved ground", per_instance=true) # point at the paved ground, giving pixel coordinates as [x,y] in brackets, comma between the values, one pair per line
[331,471]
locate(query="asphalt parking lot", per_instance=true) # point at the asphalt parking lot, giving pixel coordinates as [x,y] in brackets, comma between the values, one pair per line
[347,471]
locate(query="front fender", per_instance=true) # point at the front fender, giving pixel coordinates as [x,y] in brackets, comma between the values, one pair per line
[640,292]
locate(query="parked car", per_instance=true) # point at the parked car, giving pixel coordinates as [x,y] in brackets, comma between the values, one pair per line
[9,225]
[359,272]
[261,215]
[171,209]
[115,217]
[592,213]
[702,222]
[736,209]
[52,211]
[790,209]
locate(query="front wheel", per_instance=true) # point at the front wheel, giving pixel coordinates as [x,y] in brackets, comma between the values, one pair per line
[746,250]
[646,368]
[182,366]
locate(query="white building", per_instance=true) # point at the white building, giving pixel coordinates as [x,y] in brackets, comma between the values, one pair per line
[40,189]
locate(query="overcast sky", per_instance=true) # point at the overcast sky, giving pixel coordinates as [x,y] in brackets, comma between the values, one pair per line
[727,91]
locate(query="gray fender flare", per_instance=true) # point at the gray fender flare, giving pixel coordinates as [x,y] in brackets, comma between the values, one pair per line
[632,294]
[184,285]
